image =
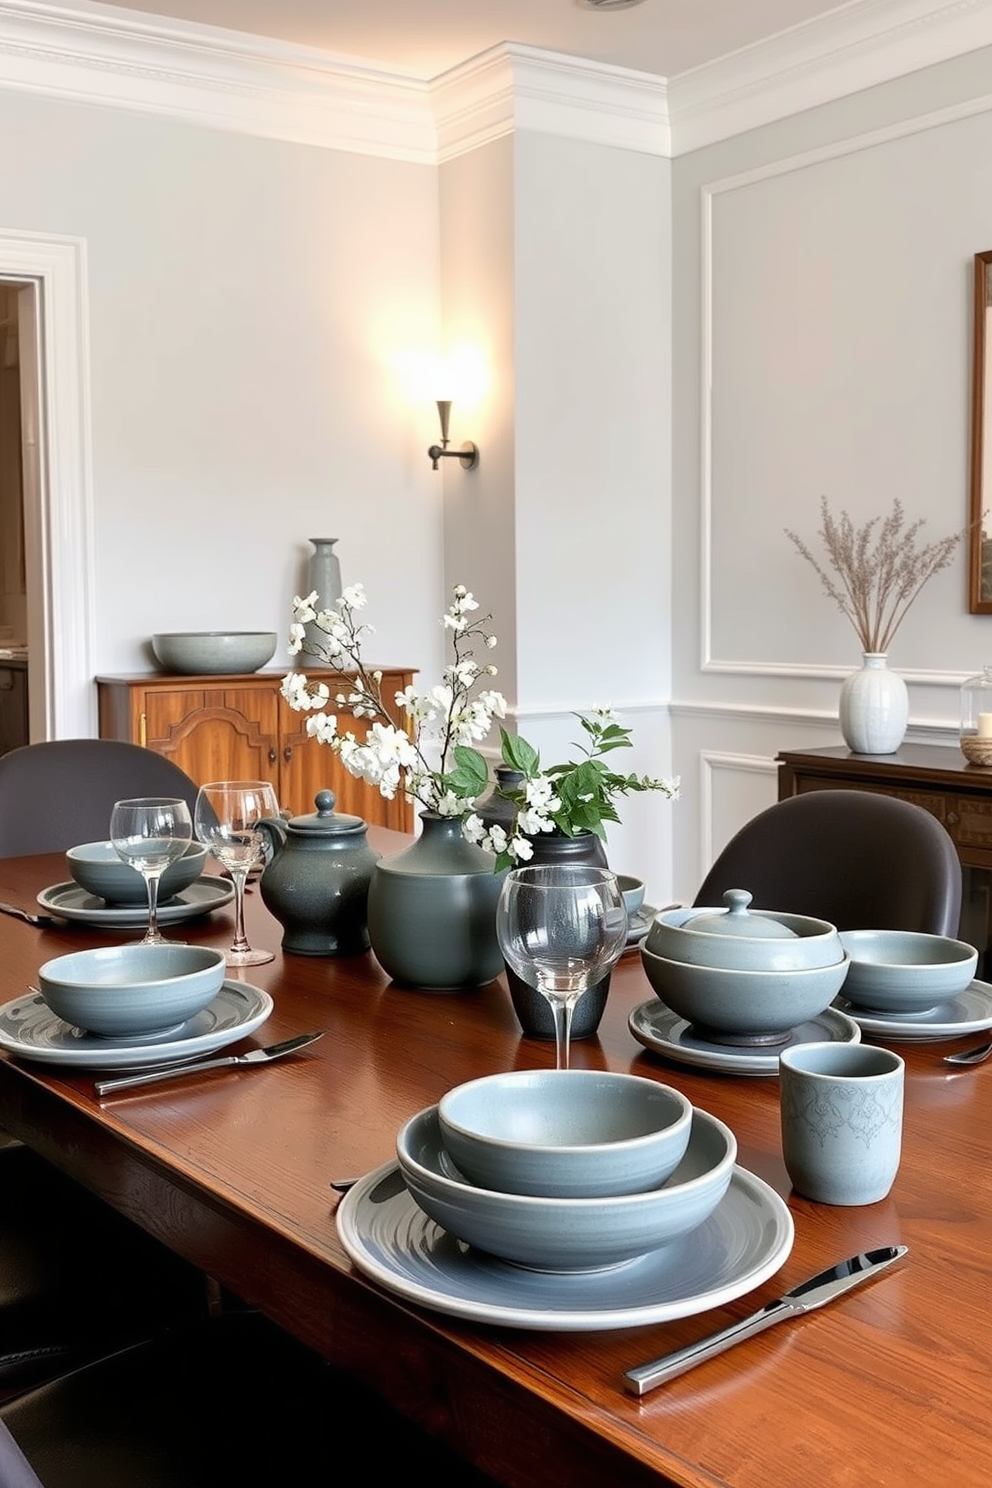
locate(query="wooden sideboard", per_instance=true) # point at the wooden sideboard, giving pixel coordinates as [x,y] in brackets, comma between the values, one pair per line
[939,779]
[240,727]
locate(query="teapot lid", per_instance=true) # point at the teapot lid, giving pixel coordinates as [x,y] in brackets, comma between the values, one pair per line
[325,821]
[737,919]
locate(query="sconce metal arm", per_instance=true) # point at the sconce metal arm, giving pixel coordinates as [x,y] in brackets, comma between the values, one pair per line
[469,452]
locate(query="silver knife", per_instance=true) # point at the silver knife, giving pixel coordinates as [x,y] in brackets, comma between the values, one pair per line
[804,1298]
[255,1056]
[42,920]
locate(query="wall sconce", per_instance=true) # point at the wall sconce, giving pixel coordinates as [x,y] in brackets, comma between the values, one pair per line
[469,452]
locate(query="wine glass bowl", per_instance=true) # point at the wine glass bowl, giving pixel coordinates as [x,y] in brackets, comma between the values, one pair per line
[561,927]
[150,833]
[227,816]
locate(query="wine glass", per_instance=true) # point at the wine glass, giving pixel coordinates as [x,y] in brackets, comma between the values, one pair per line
[150,832]
[226,816]
[563,925]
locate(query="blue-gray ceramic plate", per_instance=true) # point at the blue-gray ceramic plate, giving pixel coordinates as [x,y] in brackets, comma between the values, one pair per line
[969,1012]
[71,902]
[744,1241]
[663,1032]
[29,1029]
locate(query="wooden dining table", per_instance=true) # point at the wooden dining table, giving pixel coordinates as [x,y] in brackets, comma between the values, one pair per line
[232,1168]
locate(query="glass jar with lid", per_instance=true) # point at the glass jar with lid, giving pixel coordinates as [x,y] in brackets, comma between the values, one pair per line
[976,718]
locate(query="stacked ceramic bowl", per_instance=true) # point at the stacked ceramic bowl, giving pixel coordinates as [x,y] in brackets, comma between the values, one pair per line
[741,976]
[132,992]
[99,869]
[566,1170]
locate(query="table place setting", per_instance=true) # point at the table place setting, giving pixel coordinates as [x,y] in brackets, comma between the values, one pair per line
[581,1233]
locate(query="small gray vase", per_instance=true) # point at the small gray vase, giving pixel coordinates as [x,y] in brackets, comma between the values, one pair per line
[432,911]
[324,579]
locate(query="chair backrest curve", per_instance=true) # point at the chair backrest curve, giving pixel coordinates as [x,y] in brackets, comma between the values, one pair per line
[856,858]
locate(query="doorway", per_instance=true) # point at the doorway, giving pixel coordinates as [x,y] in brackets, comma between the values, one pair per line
[48,275]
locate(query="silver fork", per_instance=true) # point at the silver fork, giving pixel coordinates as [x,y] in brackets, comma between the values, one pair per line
[977,1055]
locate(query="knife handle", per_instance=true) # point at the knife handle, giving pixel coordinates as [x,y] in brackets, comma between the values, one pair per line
[127,1082]
[646,1376]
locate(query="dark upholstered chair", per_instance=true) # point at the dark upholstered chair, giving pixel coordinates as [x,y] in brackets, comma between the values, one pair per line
[58,794]
[860,860]
[232,1403]
[76,1279]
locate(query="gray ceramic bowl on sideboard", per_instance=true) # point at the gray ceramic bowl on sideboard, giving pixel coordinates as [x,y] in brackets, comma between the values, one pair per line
[212,652]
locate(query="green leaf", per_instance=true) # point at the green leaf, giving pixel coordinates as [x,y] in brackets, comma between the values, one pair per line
[471,776]
[520,755]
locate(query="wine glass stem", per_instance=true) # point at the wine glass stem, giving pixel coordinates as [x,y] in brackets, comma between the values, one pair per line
[239,877]
[561,1010]
[151,883]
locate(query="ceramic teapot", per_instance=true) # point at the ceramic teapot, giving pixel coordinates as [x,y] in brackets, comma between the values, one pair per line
[317,880]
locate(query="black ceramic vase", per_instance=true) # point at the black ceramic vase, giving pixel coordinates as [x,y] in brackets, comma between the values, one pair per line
[531,1007]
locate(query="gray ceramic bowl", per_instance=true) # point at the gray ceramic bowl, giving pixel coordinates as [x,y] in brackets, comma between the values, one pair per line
[903,971]
[132,990]
[743,1007]
[566,1133]
[97,868]
[799,944]
[632,890]
[206,652]
[549,1234]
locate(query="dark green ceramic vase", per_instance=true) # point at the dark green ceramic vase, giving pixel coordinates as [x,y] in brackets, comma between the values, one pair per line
[432,910]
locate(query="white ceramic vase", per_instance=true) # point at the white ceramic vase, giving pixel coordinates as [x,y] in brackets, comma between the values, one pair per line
[874,707]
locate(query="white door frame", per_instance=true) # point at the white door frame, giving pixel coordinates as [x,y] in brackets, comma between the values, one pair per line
[58,481]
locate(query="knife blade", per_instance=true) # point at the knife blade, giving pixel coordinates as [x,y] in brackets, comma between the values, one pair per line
[806,1297]
[191,1067]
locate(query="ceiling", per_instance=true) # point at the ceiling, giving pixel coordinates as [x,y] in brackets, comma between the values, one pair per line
[426,37]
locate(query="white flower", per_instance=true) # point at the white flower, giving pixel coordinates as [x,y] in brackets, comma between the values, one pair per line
[448,804]
[497,839]
[473,828]
[532,822]
[490,641]
[354,597]
[294,690]
[520,848]
[323,726]
[297,635]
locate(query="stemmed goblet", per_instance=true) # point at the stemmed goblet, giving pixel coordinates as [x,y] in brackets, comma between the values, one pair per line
[562,926]
[226,816]
[150,833]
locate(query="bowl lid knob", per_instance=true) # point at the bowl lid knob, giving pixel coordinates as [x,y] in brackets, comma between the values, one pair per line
[737,919]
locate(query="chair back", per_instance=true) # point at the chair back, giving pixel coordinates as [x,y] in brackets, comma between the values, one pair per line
[861,860]
[61,793]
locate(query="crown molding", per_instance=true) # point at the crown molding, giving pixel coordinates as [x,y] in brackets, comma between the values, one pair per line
[514,87]
[857,46]
[91,53]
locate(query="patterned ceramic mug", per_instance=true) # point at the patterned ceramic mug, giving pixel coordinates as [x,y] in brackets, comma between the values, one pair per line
[841,1120]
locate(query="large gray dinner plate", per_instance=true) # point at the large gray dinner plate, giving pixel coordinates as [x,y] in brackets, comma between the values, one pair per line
[969,1012]
[29,1029]
[746,1239]
[656,1027]
[70,902]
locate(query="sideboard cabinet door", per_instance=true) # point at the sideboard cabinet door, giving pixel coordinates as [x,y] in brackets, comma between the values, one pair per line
[241,728]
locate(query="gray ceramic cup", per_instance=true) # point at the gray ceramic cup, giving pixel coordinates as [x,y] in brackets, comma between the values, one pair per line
[841,1120]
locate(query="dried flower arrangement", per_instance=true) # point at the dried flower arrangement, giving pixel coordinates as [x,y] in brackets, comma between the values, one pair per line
[879,569]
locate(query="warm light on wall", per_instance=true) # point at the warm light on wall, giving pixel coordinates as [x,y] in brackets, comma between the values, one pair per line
[461,374]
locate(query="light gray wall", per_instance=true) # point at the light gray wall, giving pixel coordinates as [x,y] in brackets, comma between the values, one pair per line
[822,346]
[252,308]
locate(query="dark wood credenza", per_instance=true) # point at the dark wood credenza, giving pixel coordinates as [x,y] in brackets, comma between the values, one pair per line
[939,779]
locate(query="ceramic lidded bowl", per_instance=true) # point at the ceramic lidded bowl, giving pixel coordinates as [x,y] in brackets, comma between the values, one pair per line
[566,1133]
[132,990]
[556,1234]
[743,1007]
[905,971]
[97,868]
[744,939]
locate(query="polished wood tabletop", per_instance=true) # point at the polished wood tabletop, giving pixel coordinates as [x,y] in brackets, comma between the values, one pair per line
[889,1385]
